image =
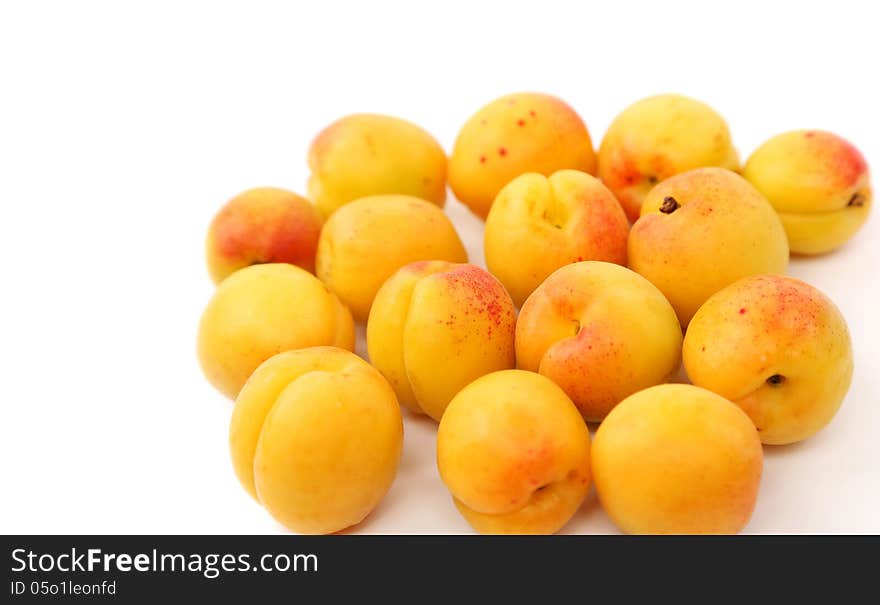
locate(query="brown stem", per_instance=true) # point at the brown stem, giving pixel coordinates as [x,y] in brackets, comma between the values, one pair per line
[857,199]
[669,205]
[776,380]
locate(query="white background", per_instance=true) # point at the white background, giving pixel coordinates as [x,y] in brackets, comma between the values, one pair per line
[123,128]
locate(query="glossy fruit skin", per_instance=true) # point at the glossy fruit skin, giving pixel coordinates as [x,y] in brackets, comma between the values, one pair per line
[677,459]
[262,310]
[262,225]
[512,135]
[818,182]
[435,327]
[656,138]
[367,240]
[514,453]
[316,437]
[701,231]
[777,347]
[373,154]
[551,221]
[601,332]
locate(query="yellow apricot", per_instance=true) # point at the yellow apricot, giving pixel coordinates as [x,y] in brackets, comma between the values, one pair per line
[316,437]
[370,154]
[550,222]
[263,225]
[262,310]
[778,348]
[515,454]
[702,230]
[677,459]
[819,184]
[599,331]
[435,327]
[366,241]
[512,135]
[656,138]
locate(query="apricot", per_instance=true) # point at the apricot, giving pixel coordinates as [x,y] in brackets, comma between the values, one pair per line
[512,135]
[316,436]
[369,154]
[366,241]
[677,459]
[263,225]
[550,222]
[702,230]
[262,310]
[514,453]
[435,327]
[819,184]
[656,138]
[778,348]
[599,331]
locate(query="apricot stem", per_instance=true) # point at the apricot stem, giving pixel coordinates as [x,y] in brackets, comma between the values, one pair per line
[669,205]
[857,199]
[776,380]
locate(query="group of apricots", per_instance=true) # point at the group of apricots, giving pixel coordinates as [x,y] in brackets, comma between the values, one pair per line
[597,289]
